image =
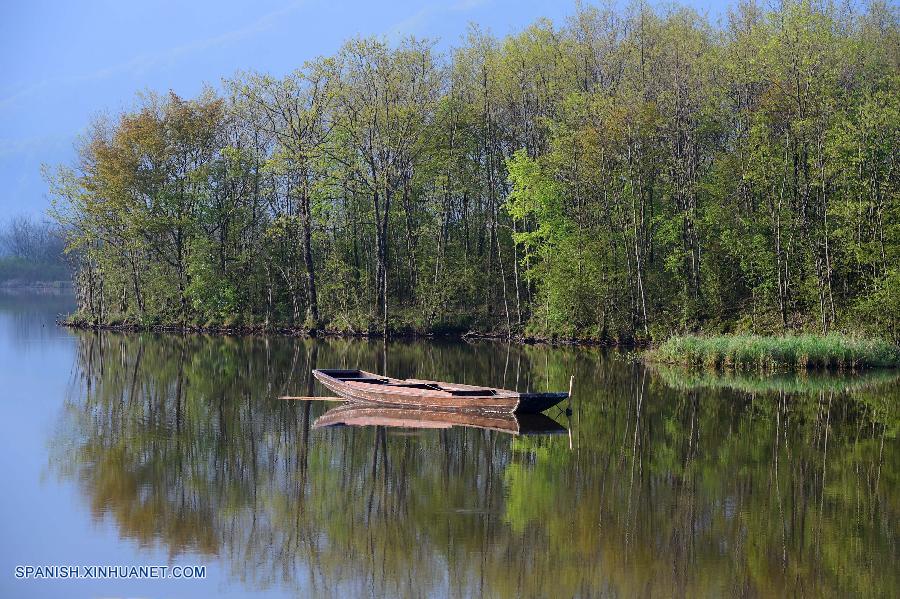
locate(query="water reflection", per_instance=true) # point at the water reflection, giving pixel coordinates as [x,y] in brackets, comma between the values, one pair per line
[30,320]
[407,418]
[795,383]
[690,490]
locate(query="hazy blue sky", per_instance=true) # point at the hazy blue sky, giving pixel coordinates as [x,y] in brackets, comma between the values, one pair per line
[63,62]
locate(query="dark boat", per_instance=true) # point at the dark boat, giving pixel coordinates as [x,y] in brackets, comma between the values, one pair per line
[358,414]
[362,386]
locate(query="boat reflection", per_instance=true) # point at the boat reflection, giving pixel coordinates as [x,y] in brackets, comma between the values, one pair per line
[357,414]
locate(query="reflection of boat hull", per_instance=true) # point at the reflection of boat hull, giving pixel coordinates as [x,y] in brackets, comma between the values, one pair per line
[414,418]
[362,386]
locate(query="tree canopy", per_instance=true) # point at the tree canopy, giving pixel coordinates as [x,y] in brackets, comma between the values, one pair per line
[619,176]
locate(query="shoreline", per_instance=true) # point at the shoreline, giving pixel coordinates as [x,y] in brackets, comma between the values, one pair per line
[282,331]
[710,357]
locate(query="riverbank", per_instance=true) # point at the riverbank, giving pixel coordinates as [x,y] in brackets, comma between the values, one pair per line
[259,329]
[764,353]
[774,353]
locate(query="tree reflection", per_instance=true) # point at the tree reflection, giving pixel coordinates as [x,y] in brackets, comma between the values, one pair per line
[687,490]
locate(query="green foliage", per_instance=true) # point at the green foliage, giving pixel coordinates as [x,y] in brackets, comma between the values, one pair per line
[879,309]
[791,352]
[717,197]
[620,177]
[211,295]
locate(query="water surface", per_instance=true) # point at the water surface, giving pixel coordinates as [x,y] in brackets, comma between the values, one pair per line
[144,449]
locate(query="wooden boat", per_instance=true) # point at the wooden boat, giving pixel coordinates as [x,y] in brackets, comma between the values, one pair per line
[358,414]
[359,385]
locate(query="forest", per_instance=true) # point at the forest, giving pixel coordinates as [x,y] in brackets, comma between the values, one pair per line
[618,177]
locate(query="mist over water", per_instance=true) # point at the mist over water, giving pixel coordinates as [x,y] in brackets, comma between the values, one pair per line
[153,449]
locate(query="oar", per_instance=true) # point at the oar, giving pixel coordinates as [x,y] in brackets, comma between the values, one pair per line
[312,398]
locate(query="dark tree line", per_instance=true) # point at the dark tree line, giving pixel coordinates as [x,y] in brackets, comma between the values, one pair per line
[623,175]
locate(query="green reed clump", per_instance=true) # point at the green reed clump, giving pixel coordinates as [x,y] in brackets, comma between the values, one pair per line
[788,352]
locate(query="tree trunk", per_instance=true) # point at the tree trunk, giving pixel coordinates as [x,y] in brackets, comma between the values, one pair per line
[306,221]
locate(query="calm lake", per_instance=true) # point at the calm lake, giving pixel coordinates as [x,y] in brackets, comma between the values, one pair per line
[146,449]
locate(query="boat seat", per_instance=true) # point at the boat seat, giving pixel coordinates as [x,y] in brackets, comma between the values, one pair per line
[427,386]
[363,379]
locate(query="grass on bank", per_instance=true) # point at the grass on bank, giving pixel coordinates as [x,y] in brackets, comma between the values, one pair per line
[769,353]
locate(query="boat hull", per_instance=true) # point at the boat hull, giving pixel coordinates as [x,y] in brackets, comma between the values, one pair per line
[366,387]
